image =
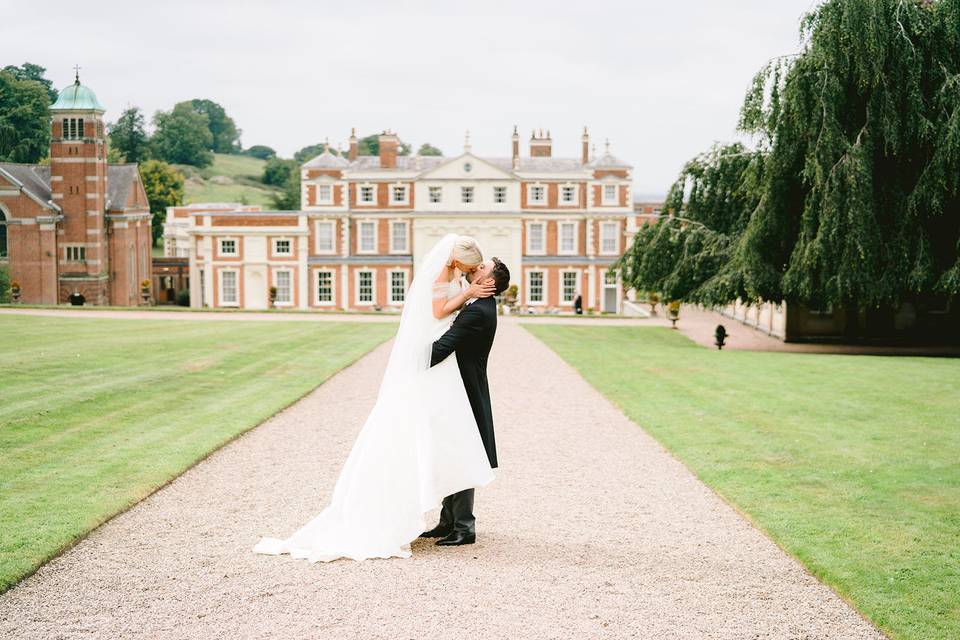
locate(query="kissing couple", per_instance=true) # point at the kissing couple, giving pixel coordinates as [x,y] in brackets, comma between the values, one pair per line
[428,442]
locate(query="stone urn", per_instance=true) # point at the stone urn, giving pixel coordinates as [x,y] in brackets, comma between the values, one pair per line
[145,291]
[15,291]
[673,312]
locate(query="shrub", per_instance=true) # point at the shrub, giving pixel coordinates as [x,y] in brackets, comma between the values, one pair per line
[183,297]
[4,284]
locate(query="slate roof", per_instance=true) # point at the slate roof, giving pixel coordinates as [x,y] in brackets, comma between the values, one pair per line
[326,160]
[544,165]
[36,180]
[608,161]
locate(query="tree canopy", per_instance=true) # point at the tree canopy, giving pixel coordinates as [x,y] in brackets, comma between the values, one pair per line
[128,135]
[30,71]
[224,131]
[370,146]
[164,187]
[427,149]
[24,116]
[851,195]
[260,151]
[182,136]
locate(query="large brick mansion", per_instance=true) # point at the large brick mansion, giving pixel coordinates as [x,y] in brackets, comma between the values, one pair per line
[365,221]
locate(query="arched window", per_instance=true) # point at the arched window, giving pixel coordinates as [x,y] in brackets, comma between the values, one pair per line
[3,235]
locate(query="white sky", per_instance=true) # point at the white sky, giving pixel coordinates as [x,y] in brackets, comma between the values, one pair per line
[661,80]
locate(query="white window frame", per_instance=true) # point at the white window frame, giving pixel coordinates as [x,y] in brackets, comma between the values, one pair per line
[616,193]
[576,238]
[360,226]
[464,190]
[529,289]
[373,288]
[606,224]
[276,282]
[406,193]
[499,189]
[435,190]
[329,188]
[530,191]
[373,194]
[405,249]
[576,287]
[574,201]
[276,245]
[236,247]
[406,284]
[332,225]
[543,248]
[333,287]
[236,288]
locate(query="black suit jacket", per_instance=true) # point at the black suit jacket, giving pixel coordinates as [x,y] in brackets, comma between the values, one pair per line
[471,336]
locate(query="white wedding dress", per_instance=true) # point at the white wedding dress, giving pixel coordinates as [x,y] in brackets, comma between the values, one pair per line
[419,444]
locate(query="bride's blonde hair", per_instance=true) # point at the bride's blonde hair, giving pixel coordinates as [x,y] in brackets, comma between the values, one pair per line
[467,251]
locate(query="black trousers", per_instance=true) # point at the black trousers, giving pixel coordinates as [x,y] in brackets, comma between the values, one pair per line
[457,512]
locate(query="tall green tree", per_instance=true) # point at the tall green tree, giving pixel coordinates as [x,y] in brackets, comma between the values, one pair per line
[24,119]
[277,172]
[370,146]
[164,186]
[30,71]
[288,198]
[182,136]
[311,151]
[226,135]
[427,149]
[854,197]
[128,135]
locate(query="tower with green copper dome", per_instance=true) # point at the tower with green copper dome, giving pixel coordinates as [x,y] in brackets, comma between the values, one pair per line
[78,181]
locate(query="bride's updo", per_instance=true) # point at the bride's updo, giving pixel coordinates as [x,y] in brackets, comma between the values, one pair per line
[466,251]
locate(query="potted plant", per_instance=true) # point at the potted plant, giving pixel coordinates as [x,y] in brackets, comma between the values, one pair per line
[673,311]
[15,291]
[653,299]
[273,296]
[510,295]
[145,291]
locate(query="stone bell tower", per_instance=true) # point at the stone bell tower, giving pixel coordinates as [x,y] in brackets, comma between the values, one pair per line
[78,184]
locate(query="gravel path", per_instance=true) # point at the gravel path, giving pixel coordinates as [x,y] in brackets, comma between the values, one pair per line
[591,530]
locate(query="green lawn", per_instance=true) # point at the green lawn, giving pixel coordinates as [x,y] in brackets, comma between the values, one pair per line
[850,463]
[95,414]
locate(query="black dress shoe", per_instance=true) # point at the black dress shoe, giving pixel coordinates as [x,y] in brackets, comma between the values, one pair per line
[457,538]
[437,532]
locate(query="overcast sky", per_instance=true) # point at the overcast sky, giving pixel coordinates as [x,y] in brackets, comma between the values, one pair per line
[661,80]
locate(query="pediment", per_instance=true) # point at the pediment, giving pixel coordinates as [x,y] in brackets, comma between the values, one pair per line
[466,167]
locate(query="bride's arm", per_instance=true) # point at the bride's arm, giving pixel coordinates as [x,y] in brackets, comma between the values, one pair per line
[444,306]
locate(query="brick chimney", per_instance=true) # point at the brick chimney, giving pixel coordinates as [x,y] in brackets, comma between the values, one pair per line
[541,146]
[516,148]
[585,148]
[388,150]
[352,154]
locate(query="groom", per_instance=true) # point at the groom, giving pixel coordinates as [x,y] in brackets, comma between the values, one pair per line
[471,336]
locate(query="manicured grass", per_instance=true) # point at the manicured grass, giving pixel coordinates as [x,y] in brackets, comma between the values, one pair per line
[95,414]
[245,173]
[850,463]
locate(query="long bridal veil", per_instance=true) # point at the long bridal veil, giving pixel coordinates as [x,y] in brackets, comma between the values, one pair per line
[419,443]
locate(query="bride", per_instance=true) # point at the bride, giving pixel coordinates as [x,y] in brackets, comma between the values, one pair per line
[420,441]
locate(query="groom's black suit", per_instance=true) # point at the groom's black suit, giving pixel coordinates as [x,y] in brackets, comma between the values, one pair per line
[470,336]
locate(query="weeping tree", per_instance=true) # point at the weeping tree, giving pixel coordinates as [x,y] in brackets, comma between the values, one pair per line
[851,195]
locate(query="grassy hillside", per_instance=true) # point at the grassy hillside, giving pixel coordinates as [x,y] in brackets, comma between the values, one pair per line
[229,179]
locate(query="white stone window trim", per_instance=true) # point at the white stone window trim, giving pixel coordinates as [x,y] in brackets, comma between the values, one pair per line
[503,189]
[464,191]
[332,225]
[573,202]
[406,193]
[276,283]
[434,189]
[79,250]
[236,287]
[276,246]
[528,290]
[236,246]
[530,191]
[615,200]
[373,192]
[607,224]
[576,238]
[333,288]
[329,187]
[360,226]
[530,250]
[576,289]
[373,287]
[406,285]
[405,249]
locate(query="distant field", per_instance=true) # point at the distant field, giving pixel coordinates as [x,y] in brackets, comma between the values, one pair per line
[243,172]
[95,414]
